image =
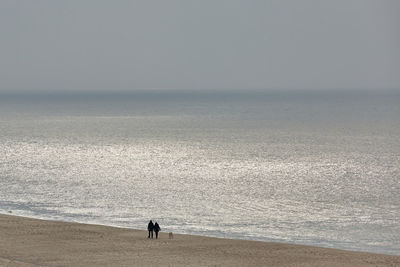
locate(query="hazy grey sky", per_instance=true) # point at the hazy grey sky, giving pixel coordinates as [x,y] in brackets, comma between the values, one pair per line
[187,44]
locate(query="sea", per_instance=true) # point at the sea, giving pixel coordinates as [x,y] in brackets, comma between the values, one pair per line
[313,167]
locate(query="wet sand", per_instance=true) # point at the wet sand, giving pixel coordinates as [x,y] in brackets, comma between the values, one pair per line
[32,242]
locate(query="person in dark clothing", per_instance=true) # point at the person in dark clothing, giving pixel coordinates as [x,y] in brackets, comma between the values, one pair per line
[150,228]
[156,229]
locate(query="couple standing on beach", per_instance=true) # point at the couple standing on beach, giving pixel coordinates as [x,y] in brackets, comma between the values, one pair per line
[153,227]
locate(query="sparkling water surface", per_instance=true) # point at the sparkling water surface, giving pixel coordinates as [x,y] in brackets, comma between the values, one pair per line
[300,167]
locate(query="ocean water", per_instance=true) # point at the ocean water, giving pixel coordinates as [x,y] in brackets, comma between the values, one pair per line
[303,167]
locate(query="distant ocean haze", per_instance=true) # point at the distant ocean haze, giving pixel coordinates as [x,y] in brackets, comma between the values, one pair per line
[306,167]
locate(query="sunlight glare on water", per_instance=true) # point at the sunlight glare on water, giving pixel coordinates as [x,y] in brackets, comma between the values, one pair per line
[320,171]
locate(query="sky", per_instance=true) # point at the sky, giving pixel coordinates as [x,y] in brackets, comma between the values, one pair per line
[191,45]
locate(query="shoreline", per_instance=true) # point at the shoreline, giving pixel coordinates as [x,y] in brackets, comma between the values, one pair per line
[36,242]
[198,234]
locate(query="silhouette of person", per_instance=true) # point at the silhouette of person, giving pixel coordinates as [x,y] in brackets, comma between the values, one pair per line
[156,229]
[150,228]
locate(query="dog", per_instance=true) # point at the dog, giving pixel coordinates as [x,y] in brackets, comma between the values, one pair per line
[171,236]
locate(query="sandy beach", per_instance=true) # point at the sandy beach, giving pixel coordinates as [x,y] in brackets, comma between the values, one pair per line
[32,242]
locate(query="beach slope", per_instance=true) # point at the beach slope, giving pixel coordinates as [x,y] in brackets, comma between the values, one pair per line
[32,242]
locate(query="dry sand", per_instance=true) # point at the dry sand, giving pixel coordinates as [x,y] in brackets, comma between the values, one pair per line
[32,242]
